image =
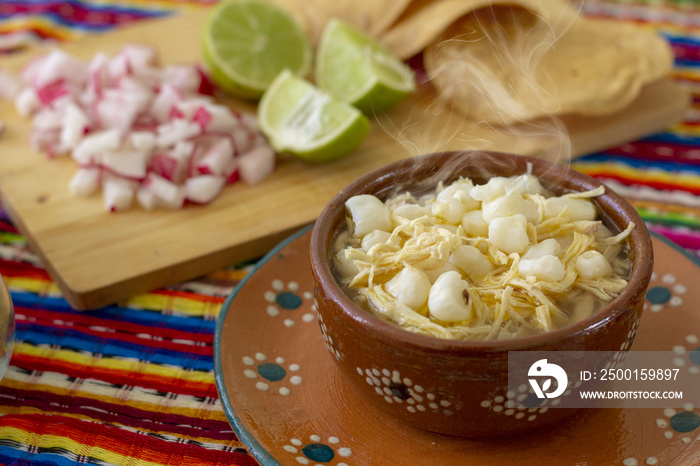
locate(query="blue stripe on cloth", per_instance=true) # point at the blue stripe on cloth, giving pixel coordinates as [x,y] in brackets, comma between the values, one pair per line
[673,138]
[640,163]
[125,314]
[681,40]
[681,62]
[13,456]
[69,339]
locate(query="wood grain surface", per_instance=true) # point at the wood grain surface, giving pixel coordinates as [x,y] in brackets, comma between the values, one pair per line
[97,257]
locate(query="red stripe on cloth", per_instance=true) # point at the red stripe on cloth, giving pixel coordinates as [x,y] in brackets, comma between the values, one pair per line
[667,152]
[22,269]
[125,443]
[121,331]
[686,52]
[8,227]
[74,12]
[116,376]
[81,318]
[160,422]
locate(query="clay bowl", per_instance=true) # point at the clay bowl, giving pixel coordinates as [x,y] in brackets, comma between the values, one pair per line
[444,385]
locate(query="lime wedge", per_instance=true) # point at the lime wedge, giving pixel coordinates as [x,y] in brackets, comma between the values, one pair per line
[355,68]
[299,118]
[247,43]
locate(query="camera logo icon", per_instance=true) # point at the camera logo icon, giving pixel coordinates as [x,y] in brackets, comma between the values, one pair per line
[544,371]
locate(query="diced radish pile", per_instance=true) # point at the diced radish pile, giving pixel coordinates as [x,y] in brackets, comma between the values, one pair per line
[137,130]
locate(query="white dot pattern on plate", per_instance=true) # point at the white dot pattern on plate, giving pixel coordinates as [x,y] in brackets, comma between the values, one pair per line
[668,293]
[315,450]
[287,299]
[273,375]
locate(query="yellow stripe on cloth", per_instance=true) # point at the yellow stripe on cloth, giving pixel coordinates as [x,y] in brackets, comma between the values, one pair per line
[675,179]
[101,362]
[33,285]
[180,304]
[40,24]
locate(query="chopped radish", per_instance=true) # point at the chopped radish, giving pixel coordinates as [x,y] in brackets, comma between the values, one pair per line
[129,164]
[221,120]
[164,101]
[181,153]
[257,164]
[231,171]
[216,158]
[85,181]
[203,189]
[117,68]
[27,102]
[250,122]
[185,78]
[137,129]
[52,91]
[118,193]
[56,66]
[143,140]
[175,131]
[119,108]
[48,119]
[165,165]
[146,198]
[167,193]
[206,86]
[243,140]
[75,125]
[97,80]
[46,140]
[95,144]
[139,56]
[202,116]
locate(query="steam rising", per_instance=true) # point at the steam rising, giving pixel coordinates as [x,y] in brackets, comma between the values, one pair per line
[490,59]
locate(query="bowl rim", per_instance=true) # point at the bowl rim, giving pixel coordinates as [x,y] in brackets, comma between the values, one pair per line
[373,326]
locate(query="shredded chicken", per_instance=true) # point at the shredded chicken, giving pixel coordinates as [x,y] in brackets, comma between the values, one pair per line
[503,303]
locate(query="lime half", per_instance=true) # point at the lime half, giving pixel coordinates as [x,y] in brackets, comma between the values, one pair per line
[247,43]
[355,68]
[299,118]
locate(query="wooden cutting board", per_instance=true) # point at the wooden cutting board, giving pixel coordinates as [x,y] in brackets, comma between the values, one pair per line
[97,257]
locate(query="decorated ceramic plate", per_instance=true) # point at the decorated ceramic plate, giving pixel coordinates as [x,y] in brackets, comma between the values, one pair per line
[287,402]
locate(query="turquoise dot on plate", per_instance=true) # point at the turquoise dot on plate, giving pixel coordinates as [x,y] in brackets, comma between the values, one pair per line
[318,452]
[271,371]
[685,421]
[694,356]
[658,295]
[287,300]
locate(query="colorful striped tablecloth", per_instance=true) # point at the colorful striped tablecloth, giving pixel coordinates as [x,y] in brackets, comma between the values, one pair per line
[134,383]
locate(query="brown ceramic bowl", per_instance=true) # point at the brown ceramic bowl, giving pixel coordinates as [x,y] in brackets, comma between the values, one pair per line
[447,386]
